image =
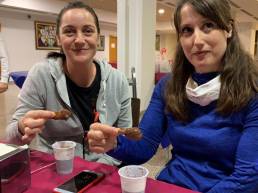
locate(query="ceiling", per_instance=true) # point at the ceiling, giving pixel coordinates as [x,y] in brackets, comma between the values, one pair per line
[244,11]
[108,5]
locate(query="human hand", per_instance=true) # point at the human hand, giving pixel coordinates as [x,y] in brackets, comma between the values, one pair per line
[32,123]
[101,138]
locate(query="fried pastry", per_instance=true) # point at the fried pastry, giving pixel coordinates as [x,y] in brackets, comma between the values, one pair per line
[62,114]
[133,133]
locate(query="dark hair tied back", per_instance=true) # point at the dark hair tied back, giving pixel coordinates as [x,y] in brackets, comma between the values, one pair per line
[72,5]
[77,5]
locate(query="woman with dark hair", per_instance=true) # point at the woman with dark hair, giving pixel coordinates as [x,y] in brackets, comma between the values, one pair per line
[208,108]
[73,80]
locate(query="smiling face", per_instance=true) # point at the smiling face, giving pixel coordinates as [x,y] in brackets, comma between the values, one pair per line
[78,36]
[203,43]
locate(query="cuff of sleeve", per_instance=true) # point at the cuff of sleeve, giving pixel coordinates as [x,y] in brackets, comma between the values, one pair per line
[116,146]
[14,137]
[18,132]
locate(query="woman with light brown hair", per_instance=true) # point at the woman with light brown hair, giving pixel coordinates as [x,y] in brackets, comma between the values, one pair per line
[208,107]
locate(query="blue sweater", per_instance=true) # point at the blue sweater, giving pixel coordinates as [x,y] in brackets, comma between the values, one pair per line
[211,153]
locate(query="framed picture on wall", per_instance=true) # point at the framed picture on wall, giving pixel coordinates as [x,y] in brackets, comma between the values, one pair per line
[45,36]
[101,43]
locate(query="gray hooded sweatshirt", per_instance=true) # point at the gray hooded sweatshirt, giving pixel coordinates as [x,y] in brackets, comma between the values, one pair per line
[45,89]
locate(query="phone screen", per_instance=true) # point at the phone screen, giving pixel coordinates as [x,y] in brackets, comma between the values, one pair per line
[80,182]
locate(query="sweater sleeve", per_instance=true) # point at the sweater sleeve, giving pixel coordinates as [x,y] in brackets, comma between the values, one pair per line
[152,127]
[29,98]
[244,178]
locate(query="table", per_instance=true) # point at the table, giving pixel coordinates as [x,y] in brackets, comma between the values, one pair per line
[47,179]
[19,77]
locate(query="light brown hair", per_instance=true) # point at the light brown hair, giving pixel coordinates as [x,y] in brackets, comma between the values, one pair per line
[239,74]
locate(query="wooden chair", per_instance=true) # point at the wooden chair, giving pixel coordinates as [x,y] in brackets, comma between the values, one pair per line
[135,102]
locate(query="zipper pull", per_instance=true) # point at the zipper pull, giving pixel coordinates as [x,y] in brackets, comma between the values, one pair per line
[96,116]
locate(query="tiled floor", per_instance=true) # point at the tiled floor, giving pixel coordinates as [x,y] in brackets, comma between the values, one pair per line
[8,102]
[158,161]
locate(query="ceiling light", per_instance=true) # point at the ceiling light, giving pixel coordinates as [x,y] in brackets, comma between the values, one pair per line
[161,11]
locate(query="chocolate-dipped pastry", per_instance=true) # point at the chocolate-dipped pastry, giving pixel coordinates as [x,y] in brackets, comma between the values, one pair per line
[62,114]
[131,133]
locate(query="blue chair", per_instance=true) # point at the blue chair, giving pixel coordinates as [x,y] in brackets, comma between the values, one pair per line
[19,77]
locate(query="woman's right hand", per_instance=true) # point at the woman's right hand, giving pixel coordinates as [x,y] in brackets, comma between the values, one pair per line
[33,123]
[102,138]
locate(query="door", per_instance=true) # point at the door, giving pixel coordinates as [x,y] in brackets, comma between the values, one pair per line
[113,51]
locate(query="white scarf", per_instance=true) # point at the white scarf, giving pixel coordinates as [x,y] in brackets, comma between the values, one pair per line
[205,93]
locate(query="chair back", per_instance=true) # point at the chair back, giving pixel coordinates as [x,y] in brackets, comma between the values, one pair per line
[135,102]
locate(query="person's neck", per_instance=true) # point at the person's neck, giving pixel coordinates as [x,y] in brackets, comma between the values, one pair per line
[202,78]
[81,74]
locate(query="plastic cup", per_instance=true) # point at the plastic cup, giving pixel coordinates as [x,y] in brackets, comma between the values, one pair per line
[64,155]
[133,178]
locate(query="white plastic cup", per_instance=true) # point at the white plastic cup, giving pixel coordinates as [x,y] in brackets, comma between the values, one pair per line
[64,155]
[133,178]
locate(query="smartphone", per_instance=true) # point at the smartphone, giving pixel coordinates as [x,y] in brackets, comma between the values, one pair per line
[80,182]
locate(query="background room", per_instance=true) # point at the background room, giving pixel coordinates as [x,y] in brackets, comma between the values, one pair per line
[121,47]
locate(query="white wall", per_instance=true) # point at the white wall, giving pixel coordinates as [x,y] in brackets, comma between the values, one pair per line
[48,6]
[18,30]
[19,36]
[106,31]
[164,60]
[247,36]
[168,41]
[165,27]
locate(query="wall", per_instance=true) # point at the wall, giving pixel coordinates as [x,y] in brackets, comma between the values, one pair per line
[18,30]
[106,30]
[51,7]
[19,36]
[256,56]
[246,33]
[165,27]
[168,41]
[165,60]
